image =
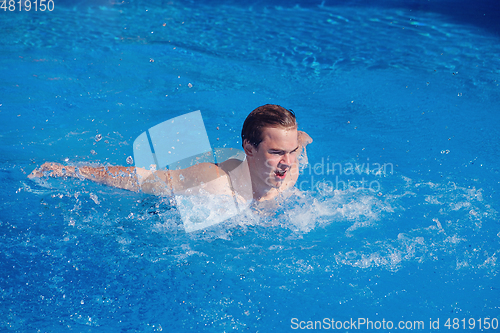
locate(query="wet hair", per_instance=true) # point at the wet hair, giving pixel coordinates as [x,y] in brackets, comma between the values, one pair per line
[269,115]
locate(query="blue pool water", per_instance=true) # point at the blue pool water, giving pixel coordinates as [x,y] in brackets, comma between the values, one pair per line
[395,218]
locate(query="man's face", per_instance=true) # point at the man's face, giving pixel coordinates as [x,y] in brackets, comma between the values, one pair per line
[272,159]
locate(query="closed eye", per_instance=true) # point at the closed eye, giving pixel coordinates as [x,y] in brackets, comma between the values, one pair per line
[282,152]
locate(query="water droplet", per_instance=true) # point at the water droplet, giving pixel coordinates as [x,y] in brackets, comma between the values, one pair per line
[130,160]
[94,198]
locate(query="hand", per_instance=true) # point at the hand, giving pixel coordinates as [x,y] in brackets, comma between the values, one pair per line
[304,138]
[51,169]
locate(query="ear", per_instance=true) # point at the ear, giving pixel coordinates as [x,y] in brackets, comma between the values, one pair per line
[248,148]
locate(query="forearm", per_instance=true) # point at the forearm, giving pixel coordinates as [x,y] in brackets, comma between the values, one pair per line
[304,139]
[117,176]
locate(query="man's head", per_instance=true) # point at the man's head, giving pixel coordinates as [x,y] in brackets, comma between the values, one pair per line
[270,141]
[269,115]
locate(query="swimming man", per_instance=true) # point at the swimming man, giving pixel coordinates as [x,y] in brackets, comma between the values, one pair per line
[271,143]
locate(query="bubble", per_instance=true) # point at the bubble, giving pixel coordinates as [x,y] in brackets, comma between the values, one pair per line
[130,160]
[98,137]
[93,152]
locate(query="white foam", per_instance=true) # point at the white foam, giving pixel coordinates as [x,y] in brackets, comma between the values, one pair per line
[382,230]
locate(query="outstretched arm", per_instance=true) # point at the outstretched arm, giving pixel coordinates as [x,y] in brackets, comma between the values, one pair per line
[116,176]
[163,182]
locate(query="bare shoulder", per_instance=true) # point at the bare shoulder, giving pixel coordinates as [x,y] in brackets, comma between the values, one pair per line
[230,164]
[193,176]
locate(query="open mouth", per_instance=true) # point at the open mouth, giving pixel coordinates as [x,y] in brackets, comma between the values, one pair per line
[280,173]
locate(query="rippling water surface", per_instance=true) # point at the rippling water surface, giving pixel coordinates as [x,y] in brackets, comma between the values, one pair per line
[395,218]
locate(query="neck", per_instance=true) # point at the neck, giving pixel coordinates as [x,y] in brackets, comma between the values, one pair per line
[262,191]
[265,195]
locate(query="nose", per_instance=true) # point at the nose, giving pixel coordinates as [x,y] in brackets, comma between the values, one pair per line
[286,159]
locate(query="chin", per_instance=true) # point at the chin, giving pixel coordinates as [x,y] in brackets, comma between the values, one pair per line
[273,182]
[277,183]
